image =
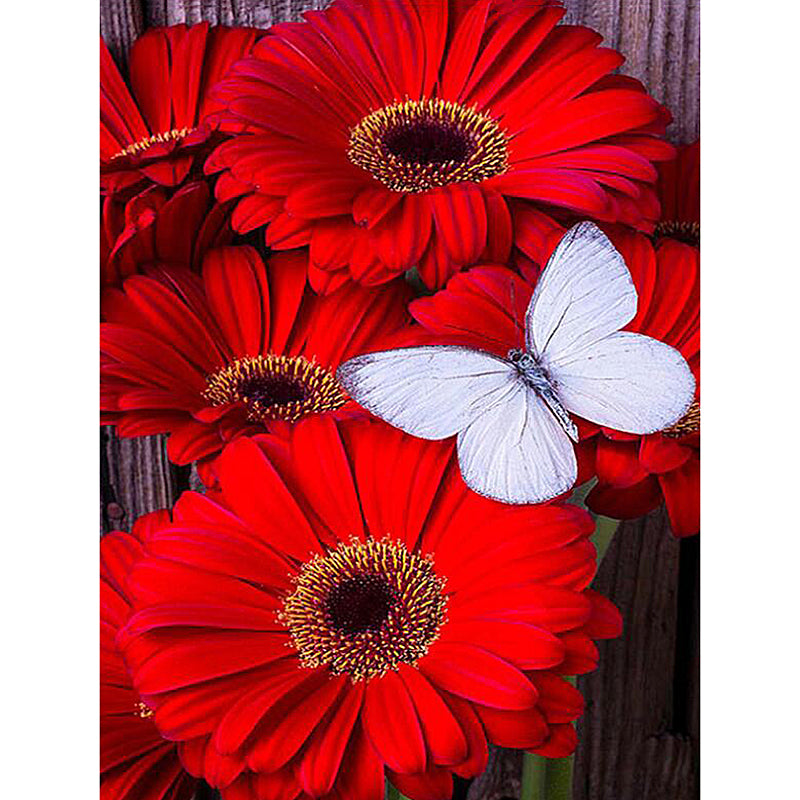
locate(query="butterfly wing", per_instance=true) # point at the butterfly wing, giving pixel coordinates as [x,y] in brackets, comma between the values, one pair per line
[516,452]
[432,392]
[626,381]
[584,293]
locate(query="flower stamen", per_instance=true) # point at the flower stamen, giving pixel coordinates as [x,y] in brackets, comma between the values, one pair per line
[688,424]
[686,232]
[276,387]
[416,145]
[143,711]
[175,135]
[365,608]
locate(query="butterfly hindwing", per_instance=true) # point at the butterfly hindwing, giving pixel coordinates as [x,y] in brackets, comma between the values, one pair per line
[626,381]
[516,452]
[433,391]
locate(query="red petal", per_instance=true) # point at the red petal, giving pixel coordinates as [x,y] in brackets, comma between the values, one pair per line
[681,489]
[476,674]
[387,698]
[192,441]
[231,279]
[325,749]
[561,742]
[255,492]
[443,735]
[436,783]
[464,49]
[461,220]
[291,722]
[618,464]
[517,729]
[523,645]
[629,503]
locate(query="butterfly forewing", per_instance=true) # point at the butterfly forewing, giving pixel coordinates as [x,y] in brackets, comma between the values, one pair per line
[584,293]
[432,392]
[517,452]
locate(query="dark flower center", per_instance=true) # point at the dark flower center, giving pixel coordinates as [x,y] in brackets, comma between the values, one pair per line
[416,145]
[364,608]
[275,387]
[427,142]
[272,390]
[359,604]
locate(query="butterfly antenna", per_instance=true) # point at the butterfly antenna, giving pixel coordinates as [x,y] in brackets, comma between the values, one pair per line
[514,304]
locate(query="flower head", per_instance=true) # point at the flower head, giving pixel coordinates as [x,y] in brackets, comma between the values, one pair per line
[136,763]
[153,130]
[344,576]
[388,135]
[240,349]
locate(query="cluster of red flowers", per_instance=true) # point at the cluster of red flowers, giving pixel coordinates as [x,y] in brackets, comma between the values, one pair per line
[338,608]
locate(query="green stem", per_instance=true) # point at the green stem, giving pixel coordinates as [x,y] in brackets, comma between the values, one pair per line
[534,769]
[558,780]
[392,792]
[604,530]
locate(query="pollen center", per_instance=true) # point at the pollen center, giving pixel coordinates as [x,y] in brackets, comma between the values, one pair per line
[175,135]
[416,145]
[275,387]
[365,608]
[689,423]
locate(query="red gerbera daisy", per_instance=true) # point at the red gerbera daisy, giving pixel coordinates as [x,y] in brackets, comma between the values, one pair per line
[136,763]
[209,358]
[346,610]
[485,307]
[154,129]
[156,228]
[385,138]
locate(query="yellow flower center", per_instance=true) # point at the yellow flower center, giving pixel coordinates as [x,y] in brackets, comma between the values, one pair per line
[416,145]
[275,387]
[365,608]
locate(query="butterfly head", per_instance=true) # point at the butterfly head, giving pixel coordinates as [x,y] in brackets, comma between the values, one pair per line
[521,359]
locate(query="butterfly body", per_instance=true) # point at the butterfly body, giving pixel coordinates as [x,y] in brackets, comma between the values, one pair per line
[535,377]
[511,416]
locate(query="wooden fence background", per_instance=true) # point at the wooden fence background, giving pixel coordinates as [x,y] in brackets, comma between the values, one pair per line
[639,736]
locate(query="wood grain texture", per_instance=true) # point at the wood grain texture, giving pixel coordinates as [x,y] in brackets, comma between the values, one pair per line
[631,742]
[660,40]
[120,23]
[258,13]
[136,478]
[639,734]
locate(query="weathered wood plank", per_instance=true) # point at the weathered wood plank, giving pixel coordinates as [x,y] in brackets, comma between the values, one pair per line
[120,24]
[660,40]
[258,13]
[629,748]
[136,478]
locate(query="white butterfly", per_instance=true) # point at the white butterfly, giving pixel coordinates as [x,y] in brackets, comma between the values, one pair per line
[512,414]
